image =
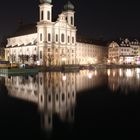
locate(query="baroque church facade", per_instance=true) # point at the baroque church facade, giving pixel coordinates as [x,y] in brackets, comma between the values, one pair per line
[52,43]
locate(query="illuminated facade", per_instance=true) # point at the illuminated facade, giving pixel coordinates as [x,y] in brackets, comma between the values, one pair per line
[52,43]
[125,52]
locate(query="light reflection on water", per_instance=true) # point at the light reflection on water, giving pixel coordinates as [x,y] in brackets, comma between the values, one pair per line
[125,80]
[56,93]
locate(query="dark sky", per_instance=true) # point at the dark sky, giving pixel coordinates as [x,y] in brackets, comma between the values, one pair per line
[95,18]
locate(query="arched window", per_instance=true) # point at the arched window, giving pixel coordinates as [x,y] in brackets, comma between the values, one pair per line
[48,15]
[56,39]
[42,15]
[49,37]
[73,40]
[41,37]
[62,38]
[72,21]
[68,39]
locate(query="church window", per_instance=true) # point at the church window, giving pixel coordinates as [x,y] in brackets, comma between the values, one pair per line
[42,15]
[68,39]
[72,21]
[48,15]
[56,37]
[49,37]
[62,38]
[73,40]
[40,37]
[63,97]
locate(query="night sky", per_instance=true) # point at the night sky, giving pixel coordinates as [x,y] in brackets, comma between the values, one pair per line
[106,19]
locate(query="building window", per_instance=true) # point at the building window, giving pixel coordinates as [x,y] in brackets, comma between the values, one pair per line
[42,15]
[68,39]
[63,97]
[49,49]
[56,38]
[40,37]
[49,37]
[48,15]
[73,40]
[72,21]
[40,54]
[62,38]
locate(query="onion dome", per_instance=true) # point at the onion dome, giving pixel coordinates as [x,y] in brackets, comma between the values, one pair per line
[68,6]
[45,1]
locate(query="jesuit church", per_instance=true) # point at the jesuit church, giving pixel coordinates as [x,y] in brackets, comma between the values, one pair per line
[52,43]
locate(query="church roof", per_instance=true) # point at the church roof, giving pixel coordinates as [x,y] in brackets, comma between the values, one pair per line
[68,6]
[25,30]
[45,1]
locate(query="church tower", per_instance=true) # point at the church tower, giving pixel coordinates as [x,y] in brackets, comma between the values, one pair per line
[44,29]
[69,12]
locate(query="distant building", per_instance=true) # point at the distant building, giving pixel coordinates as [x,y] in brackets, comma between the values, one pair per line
[52,43]
[124,52]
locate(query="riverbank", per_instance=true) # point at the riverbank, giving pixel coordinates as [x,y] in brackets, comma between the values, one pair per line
[68,68]
[114,66]
[35,70]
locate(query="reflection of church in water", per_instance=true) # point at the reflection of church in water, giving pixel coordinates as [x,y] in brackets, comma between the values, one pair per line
[54,93]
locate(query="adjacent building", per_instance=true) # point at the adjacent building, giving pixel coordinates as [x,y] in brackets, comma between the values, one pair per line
[52,43]
[124,52]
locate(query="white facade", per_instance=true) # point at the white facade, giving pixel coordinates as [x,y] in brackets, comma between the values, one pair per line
[53,43]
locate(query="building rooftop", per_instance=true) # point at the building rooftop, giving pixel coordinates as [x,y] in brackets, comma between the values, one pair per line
[25,29]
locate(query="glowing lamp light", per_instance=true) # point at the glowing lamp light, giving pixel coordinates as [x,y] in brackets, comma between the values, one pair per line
[64,78]
[63,59]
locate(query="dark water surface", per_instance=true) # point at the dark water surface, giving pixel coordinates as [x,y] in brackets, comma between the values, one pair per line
[68,105]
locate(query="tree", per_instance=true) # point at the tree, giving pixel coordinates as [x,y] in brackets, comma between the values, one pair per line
[22,58]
